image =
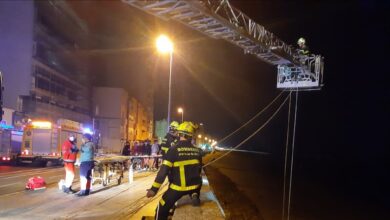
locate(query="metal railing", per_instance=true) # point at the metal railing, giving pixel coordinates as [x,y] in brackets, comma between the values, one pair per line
[307,76]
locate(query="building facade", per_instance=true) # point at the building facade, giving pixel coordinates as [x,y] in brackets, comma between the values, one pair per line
[140,122]
[44,77]
[110,117]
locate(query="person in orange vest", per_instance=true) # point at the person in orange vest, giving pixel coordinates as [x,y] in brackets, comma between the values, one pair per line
[69,155]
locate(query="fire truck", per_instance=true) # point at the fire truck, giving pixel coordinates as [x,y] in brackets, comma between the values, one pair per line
[10,143]
[5,145]
[42,140]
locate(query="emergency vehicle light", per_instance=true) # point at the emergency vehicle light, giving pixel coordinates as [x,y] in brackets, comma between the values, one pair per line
[5,126]
[88,131]
[41,124]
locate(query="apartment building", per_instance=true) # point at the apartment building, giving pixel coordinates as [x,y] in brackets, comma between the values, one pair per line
[44,75]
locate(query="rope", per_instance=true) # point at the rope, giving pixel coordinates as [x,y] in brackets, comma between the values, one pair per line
[250,120]
[286,155]
[292,154]
[250,136]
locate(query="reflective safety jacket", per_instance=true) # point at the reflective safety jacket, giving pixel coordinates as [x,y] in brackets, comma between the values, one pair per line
[69,152]
[183,164]
[168,141]
[304,50]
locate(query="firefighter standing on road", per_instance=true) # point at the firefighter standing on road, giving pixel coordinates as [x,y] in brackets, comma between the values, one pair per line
[170,138]
[183,163]
[69,155]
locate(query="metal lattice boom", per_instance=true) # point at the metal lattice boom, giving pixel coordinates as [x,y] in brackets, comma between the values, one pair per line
[220,20]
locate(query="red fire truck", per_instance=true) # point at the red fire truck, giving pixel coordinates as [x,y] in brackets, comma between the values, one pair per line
[42,140]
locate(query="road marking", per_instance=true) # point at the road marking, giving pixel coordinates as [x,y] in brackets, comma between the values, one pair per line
[28,170]
[5,185]
[27,174]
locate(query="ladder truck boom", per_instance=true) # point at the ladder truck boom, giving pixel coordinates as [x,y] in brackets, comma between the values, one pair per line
[220,20]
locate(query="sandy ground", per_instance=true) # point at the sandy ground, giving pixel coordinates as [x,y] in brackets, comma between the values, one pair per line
[251,187]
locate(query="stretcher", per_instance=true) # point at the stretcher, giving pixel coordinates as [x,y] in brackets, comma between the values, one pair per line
[110,167]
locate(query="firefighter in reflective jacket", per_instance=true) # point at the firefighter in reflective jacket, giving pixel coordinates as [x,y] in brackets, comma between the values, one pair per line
[183,163]
[303,48]
[69,155]
[170,138]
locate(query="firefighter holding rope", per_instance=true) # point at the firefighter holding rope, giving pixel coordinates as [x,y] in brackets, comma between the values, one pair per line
[183,164]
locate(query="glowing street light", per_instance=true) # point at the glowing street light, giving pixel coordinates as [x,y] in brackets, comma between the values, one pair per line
[180,110]
[164,45]
[199,136]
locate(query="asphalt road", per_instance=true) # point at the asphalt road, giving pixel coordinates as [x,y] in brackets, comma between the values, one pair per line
[105,202]
[13,179]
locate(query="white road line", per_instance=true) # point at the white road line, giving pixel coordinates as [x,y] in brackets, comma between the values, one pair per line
[5,185]
[27,174]
[25,171]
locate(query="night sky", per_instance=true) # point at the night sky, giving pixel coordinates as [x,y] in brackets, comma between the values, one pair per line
[345,125]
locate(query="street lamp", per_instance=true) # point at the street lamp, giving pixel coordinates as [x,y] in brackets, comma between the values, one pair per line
[164,45]
[180,110]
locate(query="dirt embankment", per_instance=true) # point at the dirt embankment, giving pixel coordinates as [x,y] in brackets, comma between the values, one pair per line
[234,202]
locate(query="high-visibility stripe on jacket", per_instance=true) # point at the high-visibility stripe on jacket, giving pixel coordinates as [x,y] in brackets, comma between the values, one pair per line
[183,164]
[168,141]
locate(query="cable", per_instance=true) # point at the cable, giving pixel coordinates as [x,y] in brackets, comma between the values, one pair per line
[253,118]
[250,136]
[286,155]
[292,154]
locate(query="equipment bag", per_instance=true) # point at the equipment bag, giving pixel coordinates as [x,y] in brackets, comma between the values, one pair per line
[36,183]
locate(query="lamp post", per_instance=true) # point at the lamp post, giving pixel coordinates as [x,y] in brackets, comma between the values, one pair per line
[164,45]
[180,110]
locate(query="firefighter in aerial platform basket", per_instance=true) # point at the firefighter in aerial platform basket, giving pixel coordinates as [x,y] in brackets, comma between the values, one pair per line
[69,155]
[303,48]
[170,138]
[183,163]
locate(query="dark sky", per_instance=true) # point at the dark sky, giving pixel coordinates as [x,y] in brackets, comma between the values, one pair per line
[220,86]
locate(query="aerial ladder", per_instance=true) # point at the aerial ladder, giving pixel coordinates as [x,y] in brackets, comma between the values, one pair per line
[218,19]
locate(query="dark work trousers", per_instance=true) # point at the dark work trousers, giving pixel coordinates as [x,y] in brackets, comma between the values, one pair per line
[86,174]
[167,202]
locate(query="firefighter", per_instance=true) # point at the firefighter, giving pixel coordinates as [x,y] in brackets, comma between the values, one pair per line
[303,48]
[86,164]
[183,164]
[170,138]
[69,155]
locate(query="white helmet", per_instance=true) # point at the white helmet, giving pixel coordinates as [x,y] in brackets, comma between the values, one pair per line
[301,40]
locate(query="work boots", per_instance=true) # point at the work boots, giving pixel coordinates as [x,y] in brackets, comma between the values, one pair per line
[83,193]
[67,190]
[195,199]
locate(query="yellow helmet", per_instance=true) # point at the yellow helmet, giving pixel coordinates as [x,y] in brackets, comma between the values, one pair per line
[174,125]
[187,128]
